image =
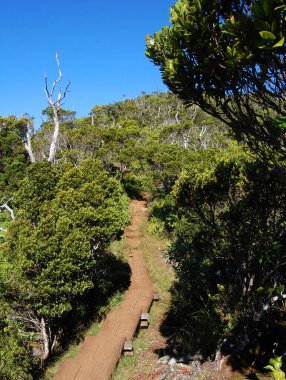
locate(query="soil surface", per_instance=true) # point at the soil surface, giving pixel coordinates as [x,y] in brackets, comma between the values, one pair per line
[98,355]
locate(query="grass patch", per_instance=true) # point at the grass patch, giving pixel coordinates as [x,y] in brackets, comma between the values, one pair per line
[113,303]
[117,247]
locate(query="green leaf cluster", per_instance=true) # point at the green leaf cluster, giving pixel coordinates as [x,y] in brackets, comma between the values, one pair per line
[66,217]
[13,157]
[275,370]
[16,361]
[228,58]
[228,249]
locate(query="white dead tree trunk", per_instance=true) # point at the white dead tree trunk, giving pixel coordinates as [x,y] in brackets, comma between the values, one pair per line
[28,145]
[4,205]
[55,107]
[45,340]
[40,327]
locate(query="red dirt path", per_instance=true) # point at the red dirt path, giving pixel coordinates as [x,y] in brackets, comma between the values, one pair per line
[99,354]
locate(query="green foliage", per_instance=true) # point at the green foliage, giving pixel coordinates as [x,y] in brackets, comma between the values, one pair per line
[143,142]
[133,185]
[37,187]
[65,116]
[54,257]
[66,217]
[274,368]
[228,251]
[76,214]
[13,158]
[68,212]
[155,226]
[163,210]
[228,58]
[16,361]
[228,213]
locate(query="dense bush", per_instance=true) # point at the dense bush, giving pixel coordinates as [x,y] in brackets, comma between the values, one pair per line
[66,217]
[16,361]
[228,251]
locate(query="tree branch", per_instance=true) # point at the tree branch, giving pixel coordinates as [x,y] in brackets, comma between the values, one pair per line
[55,106]
[5,205]
[59,78]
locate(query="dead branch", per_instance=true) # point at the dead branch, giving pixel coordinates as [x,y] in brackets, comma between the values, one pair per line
[8,208]
[55,106]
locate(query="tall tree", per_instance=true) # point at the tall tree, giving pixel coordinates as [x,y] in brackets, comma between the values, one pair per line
[229,58]
[55,113]
[64,220]
[228,251]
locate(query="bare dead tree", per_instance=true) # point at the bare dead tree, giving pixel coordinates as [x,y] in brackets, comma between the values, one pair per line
[4,205]
[55,106]
[39,326]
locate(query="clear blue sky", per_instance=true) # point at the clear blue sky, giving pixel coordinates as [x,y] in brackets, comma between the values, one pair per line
[101,46]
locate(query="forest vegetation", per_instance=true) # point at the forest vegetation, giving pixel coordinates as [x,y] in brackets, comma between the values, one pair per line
[211,154]
[54,252]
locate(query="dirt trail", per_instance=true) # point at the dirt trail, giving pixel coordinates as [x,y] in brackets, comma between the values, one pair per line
[99,354]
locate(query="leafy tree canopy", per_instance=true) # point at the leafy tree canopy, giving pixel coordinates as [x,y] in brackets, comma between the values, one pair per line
[229,58]
[13,157]
[228,251]
[65,218]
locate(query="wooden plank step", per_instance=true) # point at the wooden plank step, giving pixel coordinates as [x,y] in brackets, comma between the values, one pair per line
[128,348]
[156,297]
[144,320]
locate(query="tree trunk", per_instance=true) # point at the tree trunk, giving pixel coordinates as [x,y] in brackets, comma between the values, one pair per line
[55,136]
[45,339]
[28,145]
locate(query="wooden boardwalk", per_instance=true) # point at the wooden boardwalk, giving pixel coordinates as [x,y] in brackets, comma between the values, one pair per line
[98,355]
